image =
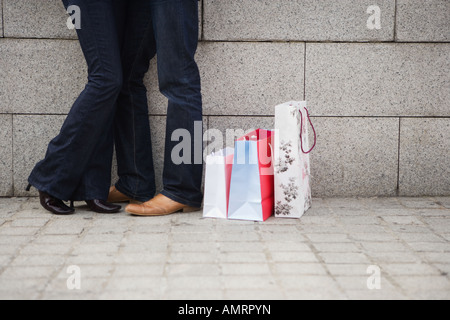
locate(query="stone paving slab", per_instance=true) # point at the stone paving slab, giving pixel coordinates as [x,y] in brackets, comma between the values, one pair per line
[1,19]
[36,19]
[377,79]
[297,20]
[423,20]
[6,155]
[334,252]
[416,175]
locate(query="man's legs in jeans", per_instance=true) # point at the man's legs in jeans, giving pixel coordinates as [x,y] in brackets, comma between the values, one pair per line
[176,33]
[173,34]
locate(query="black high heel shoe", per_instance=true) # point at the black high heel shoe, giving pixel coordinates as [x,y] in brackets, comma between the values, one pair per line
[52,204]
[100,206]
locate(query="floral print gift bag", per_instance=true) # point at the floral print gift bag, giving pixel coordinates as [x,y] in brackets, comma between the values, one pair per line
[292,167]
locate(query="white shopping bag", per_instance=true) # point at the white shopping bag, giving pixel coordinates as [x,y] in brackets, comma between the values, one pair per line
[217,183]
[292,166]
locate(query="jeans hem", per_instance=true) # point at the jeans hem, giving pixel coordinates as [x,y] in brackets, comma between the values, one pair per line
[129,195]
[181,200]
[60,196]
[40,188]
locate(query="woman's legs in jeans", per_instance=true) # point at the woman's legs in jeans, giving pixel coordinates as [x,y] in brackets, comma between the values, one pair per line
[131,125]
[98,173]
[69,155]
[176,33]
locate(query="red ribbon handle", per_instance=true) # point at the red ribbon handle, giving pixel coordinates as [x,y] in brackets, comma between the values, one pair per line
[301,131]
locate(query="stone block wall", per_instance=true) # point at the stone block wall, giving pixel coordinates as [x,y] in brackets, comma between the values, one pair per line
[375,73]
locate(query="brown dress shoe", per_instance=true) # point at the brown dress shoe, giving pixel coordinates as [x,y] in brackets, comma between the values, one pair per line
[158,206]
[115,196]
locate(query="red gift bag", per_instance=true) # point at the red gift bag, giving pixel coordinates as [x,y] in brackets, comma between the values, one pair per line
[252,178]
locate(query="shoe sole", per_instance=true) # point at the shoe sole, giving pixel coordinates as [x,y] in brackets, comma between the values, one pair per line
[60,214]
[184,210]
[105,211]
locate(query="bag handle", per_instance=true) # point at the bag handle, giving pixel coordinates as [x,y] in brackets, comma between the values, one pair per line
[301,131]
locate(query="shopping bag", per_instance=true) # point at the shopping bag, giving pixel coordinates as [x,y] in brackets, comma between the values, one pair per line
[292,163]
[251,185]
[217,183]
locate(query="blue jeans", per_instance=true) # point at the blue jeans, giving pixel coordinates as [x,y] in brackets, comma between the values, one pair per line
[118,39]
[168,29]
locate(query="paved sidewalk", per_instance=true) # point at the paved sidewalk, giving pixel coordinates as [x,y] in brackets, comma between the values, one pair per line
[334,252]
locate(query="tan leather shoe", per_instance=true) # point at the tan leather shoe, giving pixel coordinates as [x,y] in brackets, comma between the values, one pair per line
[158,206]
[115,196]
